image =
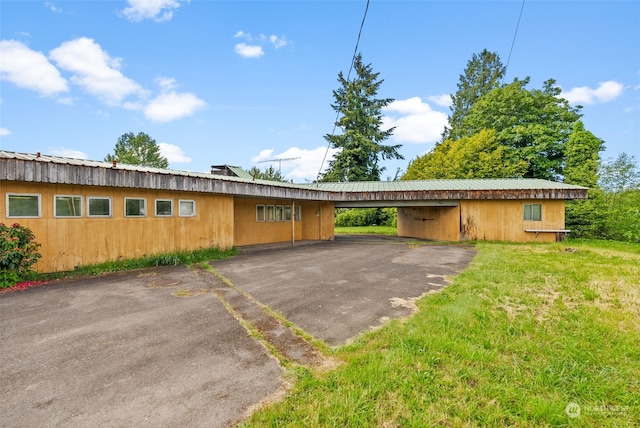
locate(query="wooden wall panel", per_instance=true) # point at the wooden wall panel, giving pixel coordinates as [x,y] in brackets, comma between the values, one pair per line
[438,223]
[248,231]
[504,220]
[67,243]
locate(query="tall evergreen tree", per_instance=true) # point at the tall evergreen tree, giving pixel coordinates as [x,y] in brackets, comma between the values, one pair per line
[360,145]
[483,74]
[138,149]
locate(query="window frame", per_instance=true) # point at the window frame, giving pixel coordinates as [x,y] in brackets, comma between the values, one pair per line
[287,213]
[38,198]
[193,205]
[144,214]
[155,207]
[108,198]
[530,215]
[279,213]
[270,213]
[73,197]
[260,213]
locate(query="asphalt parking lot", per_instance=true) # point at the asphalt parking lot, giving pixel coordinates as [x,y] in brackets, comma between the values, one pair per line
[170,347]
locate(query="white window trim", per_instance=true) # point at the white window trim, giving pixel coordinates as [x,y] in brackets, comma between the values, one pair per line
[271,208]
[193,204]
[135,216]
[89,198]
[38,195]
[297,213]
[55,205]
[281,207]
[155,207]
[264,213]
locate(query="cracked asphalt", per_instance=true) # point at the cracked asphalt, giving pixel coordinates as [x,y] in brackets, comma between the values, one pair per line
[174,346]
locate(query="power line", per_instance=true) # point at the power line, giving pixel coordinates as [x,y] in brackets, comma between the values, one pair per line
[513,42]
[353,58]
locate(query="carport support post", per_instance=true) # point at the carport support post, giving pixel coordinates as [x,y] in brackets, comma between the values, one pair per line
[293,222]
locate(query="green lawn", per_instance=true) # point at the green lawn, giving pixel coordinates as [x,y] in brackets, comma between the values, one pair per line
[377,230]
[523,332]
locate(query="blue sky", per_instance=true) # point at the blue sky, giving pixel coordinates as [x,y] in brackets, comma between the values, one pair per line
[241,82]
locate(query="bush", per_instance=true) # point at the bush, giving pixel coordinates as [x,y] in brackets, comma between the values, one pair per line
[354,217]
[18,252]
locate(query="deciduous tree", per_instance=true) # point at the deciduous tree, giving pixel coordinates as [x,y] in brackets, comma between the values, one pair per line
[535,124]
[477,156]
[138,149]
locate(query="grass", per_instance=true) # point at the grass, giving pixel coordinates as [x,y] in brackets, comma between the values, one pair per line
[377,230]
[168,259]
[523,332]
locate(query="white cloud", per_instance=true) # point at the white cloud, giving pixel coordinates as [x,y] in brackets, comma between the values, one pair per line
[172,105]
[52,7]
[29,69]
[278,42]
[443,100]
[166,83]
[249,51]
[305,168]
[253,48]
[173,153]
[605,92]
[68,153]
[414,120]
[4,132]
[95,71]
[157,10]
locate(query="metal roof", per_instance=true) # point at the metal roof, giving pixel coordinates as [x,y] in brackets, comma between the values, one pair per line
[443,185]
[63,170]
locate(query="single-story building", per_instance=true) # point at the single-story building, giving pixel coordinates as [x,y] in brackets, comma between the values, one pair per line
[85,212]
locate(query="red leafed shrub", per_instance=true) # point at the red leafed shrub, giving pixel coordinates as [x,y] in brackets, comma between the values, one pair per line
[18,252]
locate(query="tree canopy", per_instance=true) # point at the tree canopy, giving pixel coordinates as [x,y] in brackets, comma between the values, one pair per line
[477,156]
[483,74]
[138,149]
[270,174]
[360,144]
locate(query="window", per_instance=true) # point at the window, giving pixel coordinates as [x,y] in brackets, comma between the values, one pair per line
[533,212]
[279,213]
[297,213]
[270,213]
[99,206]
[259,212]
[287,212]
[135,207]
[23,205]
[186,208]
[164,207]
[67,206]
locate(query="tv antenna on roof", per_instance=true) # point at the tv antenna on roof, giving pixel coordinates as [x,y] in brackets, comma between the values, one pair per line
[279,160]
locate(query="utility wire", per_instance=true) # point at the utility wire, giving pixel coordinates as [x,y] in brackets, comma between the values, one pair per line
[353,58]
[513,42]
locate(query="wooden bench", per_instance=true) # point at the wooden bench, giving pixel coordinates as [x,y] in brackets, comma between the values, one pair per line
[560,233]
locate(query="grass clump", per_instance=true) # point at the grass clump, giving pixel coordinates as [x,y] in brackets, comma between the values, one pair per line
[372,230]
[166,259]
[523,332]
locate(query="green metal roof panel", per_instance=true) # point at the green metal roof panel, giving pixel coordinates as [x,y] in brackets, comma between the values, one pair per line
[443,185]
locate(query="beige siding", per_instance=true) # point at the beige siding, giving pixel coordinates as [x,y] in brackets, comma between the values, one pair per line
[438,223]
[69,242]
[503,220]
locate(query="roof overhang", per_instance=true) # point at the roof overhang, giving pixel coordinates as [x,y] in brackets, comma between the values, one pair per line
[59,170]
